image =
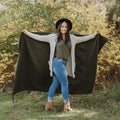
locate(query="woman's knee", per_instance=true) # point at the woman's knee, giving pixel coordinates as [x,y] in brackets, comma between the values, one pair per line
[64,84]
[55,84]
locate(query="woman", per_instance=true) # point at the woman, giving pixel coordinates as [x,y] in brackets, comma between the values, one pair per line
[62,58]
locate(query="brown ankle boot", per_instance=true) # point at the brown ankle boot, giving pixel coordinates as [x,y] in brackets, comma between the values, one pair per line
[67,107]
[49,106]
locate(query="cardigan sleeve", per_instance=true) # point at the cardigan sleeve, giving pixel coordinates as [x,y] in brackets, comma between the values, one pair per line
[83,38]
[44,38]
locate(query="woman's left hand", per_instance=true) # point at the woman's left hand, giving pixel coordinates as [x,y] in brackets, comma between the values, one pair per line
[95,33]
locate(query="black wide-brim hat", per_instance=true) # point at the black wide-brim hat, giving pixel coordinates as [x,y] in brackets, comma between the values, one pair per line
[62,20]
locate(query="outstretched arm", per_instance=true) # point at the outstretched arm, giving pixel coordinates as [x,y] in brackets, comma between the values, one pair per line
[44,38]
[84,38]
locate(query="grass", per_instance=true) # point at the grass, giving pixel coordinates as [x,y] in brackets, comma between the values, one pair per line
[101,104]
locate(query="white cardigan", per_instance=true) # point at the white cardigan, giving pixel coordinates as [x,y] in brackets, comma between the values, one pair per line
[52,39]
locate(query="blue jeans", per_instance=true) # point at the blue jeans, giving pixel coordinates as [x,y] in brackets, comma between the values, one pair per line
[60,78]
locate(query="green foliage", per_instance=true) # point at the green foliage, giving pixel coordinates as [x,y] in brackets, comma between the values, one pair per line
[114,17]
[114,12]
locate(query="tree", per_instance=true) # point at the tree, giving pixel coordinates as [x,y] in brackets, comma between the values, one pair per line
[114,16]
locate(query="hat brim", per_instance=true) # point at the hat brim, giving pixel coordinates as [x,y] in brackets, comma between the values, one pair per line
[62,20]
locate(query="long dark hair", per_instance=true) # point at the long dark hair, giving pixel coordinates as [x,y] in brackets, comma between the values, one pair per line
[67,35]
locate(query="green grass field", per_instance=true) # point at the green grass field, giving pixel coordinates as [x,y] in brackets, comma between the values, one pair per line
[100,105]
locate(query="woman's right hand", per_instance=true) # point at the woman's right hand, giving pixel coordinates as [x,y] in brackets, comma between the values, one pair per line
[24,31]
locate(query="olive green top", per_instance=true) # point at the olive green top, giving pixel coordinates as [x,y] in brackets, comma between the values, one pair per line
[63,50]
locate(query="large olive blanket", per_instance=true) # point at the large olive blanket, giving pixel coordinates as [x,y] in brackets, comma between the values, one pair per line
[32,70]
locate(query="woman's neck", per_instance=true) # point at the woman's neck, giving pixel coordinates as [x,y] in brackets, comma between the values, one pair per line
[63,36]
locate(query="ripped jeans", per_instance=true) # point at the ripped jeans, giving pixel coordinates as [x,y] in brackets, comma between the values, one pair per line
[59,78]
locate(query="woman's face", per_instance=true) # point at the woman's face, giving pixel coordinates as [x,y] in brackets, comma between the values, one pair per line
[63,28]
